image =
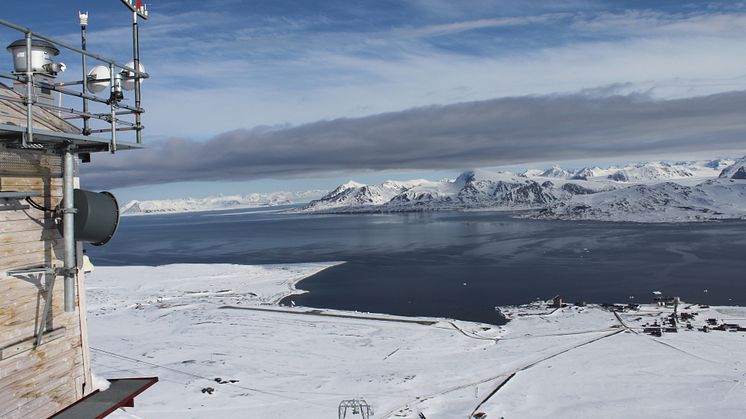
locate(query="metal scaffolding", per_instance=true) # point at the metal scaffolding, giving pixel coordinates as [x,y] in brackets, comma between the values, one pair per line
[121,116]
[71,141]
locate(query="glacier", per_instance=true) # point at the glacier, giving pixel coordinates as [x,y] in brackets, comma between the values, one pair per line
[217,202]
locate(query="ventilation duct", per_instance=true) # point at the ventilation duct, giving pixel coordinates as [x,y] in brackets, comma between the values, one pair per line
[97,217]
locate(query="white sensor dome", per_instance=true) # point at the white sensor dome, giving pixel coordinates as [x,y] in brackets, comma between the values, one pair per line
[99,79]
[129,83]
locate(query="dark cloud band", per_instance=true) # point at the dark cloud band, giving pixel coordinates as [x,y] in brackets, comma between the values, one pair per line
[503,131]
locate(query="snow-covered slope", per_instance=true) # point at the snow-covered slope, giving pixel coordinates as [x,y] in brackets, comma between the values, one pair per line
[641,172]
[735,171]
[663,202]
[222,348]
[217,202]
[557,172]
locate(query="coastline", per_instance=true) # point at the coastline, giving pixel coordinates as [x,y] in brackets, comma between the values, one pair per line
[201,326]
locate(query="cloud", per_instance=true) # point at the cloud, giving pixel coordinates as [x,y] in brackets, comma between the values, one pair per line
[241,65]
[504,131]
[463,26]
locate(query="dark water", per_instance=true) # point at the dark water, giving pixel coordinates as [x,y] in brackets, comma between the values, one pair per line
[452,264]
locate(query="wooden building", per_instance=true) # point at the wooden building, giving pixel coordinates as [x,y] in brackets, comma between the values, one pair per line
[45,363]
[36,380]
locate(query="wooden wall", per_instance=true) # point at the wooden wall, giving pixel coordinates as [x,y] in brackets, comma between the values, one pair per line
[36,381]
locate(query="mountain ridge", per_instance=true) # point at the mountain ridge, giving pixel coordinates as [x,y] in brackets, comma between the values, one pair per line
[588,193]
[216,202]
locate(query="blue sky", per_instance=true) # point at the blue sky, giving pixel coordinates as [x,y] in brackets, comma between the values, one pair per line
[226,65]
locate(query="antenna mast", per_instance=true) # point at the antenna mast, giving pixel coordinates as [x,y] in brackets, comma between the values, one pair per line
[140,9]
[83,45]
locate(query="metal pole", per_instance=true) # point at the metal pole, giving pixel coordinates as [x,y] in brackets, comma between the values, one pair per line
[112,103]
[68,211]
[83,24]
[47,305]
[57,88]
[78,114]
[136,61]
[29,94]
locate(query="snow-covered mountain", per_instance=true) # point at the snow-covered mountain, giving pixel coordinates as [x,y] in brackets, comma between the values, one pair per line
[557,172]
[218,202]
[354,195]
[662,202]
[638,173]
[735,171]
[690,191]
[472,189]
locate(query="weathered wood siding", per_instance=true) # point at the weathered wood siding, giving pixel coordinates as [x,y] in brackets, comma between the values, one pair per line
[36,381]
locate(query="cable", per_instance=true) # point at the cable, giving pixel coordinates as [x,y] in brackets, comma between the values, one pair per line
[315,393]
[189,373]
[37,206]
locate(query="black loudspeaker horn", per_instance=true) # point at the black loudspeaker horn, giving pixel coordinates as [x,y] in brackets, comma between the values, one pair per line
[97,216]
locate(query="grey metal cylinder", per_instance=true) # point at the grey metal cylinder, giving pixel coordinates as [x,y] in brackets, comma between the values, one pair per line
[42,53]
[97,216]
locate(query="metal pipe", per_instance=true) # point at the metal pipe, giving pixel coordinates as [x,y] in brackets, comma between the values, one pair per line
[56,88]
[78,94]
[72,48]
[47,305]
[29,95]
[136,62]
[83,43]
[102,116]
[68,214]
[112,103]
[59,104]
[68,83]
[95,131]
[119,113]
[78,114]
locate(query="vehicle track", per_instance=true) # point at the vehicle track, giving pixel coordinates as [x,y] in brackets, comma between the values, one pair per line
[508,375]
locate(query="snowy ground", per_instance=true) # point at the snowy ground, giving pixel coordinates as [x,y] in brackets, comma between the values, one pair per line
[179,322]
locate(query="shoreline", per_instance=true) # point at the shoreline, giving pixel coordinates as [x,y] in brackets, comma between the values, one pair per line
[526,214]
[219,327]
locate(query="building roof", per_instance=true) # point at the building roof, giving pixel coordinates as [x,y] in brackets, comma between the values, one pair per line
[12,113]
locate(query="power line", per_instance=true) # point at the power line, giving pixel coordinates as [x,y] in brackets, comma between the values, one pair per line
[189,373]
[201,377]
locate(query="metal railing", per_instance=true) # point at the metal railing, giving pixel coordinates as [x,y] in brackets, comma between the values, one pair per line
[119,74]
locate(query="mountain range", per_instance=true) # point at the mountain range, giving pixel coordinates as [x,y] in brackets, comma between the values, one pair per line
[643,192]
[217,202]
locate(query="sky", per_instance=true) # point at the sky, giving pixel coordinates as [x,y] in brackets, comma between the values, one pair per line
[257,96]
